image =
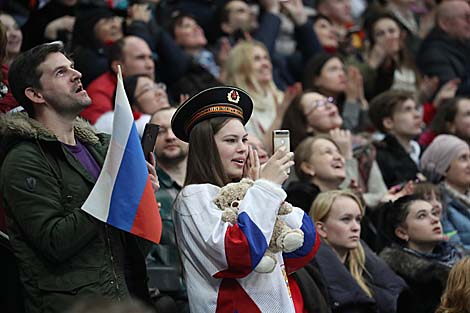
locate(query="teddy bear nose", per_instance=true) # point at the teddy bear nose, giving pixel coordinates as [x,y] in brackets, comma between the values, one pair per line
[235,204]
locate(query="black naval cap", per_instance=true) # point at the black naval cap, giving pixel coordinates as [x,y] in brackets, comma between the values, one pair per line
[212,102]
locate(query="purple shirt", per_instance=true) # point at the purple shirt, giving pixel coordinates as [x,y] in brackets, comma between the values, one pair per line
[85,158]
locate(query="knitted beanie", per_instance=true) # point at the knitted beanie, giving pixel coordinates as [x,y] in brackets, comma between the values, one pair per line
[436,159]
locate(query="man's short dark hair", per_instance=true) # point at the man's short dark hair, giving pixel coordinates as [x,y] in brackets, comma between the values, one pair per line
[116,50]
[223,13]
[177,19]
[385,104]
[24,72]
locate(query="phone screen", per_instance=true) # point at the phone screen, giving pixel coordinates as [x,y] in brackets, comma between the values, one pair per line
[149,138]
[281,137]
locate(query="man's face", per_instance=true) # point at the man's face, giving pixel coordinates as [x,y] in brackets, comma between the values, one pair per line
[137,58]
[168,149]
[339,11]
[109,29]
[406,121]
[189,35]
[458,25]
[240,17]
[61,88]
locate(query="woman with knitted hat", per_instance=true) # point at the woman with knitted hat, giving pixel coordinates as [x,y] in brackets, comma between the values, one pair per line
[220,257]
[447,161]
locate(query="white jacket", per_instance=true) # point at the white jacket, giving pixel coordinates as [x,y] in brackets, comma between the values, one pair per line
[219,257]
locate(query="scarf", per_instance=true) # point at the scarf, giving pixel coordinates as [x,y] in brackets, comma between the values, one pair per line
[444,253]
[460,197]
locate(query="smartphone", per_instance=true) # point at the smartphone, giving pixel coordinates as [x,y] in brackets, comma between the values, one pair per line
[149,138]
[281,137]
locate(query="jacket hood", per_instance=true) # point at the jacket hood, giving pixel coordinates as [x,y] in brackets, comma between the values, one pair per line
[18,126]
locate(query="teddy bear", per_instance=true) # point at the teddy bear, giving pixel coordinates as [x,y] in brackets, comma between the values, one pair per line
[283,239]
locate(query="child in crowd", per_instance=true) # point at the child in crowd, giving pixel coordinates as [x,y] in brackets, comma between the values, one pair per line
[395,113]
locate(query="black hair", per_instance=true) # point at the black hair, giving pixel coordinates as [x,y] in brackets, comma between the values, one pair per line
[314,68]
[116,50]
[446,113]
[24,72]
[176,20]
[392,215]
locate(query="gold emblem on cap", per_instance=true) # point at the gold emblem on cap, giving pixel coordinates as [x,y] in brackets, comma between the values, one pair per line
[233,96]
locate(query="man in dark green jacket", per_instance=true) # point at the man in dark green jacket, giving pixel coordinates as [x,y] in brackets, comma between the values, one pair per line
[50,161]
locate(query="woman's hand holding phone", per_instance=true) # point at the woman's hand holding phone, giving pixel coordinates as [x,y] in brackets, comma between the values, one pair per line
[275,169]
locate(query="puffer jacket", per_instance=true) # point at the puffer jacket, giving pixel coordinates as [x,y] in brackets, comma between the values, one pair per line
[456,219]
[63,253]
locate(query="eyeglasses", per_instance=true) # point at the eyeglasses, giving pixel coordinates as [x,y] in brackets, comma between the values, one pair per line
[154,87]
[318,104]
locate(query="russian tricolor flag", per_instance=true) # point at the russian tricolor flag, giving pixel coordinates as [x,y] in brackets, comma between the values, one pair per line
[123,196]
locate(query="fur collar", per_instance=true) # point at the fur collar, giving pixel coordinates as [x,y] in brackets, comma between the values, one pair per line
[20,125]
[414,268]
[458,196]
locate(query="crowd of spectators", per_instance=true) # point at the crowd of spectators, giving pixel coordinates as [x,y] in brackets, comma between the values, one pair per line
[375,94]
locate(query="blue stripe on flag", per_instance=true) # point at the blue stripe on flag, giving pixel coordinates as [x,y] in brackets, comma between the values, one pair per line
[129,185]
[309,239]
[256,241]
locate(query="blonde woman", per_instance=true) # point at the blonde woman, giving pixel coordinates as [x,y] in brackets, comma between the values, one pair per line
[355,278]
[249,67]
[455,298]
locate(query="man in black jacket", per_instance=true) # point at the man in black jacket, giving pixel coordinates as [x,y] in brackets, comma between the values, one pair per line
[444,53]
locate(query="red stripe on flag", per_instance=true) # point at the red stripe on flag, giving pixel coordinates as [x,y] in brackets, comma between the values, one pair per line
[237,253]
[296,295]
[147,222]
[294,264]
[232,298]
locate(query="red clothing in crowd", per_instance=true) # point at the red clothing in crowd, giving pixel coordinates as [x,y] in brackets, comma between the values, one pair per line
[429,110]
[101,92]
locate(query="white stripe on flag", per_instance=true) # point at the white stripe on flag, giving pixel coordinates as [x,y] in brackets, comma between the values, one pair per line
[98,202]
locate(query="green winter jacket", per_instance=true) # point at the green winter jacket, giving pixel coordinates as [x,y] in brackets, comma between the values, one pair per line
[63,253]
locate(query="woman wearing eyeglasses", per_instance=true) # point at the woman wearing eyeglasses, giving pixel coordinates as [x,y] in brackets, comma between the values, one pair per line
[327,75]
[313,114]
[145,97]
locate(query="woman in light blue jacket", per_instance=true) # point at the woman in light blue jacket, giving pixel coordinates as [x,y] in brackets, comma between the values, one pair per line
[447,161]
